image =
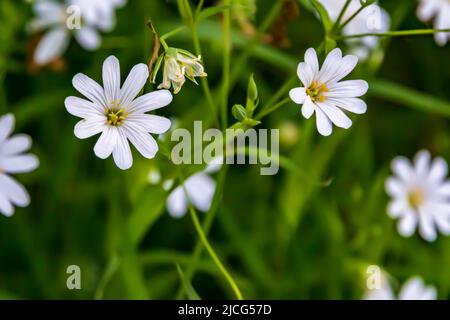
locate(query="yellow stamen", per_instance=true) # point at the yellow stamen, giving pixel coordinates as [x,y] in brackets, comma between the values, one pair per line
[316,91]
[415,198]
[115,116]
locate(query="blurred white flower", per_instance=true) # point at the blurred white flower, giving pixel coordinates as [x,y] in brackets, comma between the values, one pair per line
[117,114]
[323,92]
[82,18]
[179,65]
[440,11]
[99,13]
[13,160]
[372,19]
[198,189]
[413,289]
[420,195]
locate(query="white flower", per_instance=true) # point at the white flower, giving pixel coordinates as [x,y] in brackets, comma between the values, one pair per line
[372,19]
[117,114]
[83,18]
[440,10]
[100,13]
[413,289]
[12,160]
[323,92]
[179,65]
[420,195]
[198,189]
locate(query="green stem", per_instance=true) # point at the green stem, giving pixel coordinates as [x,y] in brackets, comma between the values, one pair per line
[213,254]
[226,62]
[342,26]
[273,108]
[167,35]
[199,9]
[341,15]
[204,80]
[400,33]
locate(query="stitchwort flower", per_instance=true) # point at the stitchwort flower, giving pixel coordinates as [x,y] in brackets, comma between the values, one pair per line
[440,10]
[325,94]
[413,289]
[118,114]
[420,195]
[13,160]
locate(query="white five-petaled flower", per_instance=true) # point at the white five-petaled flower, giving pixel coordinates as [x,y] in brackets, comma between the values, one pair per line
[198,189]
[440,11]
[420,195]
[323,92]
[13,160]
[117,114]
[413,289]
[81,17]
[372,19]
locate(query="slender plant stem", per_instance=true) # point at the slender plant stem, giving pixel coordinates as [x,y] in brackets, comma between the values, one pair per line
[166,36]
[213,254]
[204,80]
[226,62]
[400,33]
[199,8]
[341,15]
[342,26]
[273,108]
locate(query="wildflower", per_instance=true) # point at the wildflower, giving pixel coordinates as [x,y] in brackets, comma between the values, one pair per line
[413,289]
[81,18]
[117,114]
[323,92]
[179,65]
[198,189]
[13,160]
[440,10]
[372,19]
[420,195]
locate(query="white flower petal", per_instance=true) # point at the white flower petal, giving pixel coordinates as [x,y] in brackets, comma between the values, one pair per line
[443,190]
[6,207]
[111,79]
[122,153]
[90,89]
[14,191]
[323,123]
[311,60]
[176,203]
[394,187]
[308,108]
[442,220]
[82,108]
[133,84]
[397,208]
[106,143]
[426,226]
[16,144]
[52,46]
[347,89]
[88,38]
[6,126]
[422,163]
[305,74]
[201,188]
[151,101]
[354,105]
[401,167]
[215,165]
[330,65]
[407,224]
[150,123]
[298,95]
[336,115]
[142,141]
[345,66]
[438,171]
[90,127]
[19,163]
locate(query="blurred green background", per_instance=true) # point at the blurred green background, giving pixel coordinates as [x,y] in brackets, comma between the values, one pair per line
[281,237]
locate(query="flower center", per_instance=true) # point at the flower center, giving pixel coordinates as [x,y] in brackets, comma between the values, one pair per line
[115,115]
[316,91]
[416,198]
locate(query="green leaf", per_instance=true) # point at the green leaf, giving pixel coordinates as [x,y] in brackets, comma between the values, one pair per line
[187,286]
[409,97]
[148,209]
[324,17]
